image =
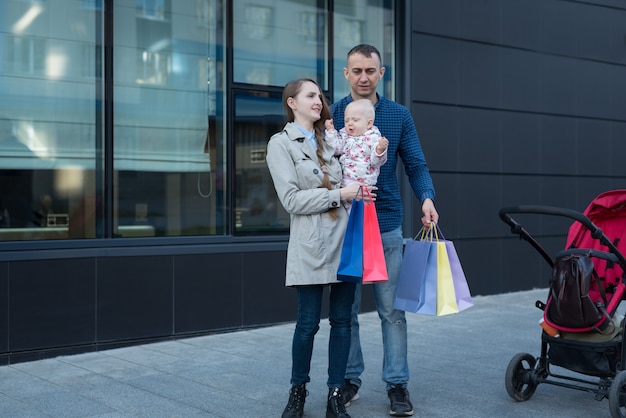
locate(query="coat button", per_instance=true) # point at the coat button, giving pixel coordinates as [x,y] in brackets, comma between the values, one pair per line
[315,171]
[334,204]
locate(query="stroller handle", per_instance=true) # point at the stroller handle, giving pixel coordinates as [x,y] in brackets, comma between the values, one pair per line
[516,228]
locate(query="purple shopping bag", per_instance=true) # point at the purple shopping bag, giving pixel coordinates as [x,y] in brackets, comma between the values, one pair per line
[461,289]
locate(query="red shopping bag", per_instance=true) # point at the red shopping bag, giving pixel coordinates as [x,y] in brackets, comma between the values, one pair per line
[374,265]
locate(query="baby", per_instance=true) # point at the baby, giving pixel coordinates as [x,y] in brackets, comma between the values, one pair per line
[360,147]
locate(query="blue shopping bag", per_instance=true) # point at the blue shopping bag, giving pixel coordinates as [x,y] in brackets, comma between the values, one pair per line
[417,283]
[351,261]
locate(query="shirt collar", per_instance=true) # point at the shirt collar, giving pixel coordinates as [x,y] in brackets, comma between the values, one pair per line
[307,134]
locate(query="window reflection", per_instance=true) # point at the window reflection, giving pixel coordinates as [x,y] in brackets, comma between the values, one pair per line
[48,93]
[357,22]
[258,22]
[290,31]
[168,127]
[258,115]
[170,105]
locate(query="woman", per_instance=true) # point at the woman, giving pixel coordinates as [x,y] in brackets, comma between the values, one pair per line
[307,179]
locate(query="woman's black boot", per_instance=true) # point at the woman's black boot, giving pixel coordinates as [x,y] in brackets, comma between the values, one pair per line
[295,405]
[335,407]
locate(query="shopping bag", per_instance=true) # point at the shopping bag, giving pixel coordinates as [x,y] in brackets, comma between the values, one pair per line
[446,296]
[431,278]
[461,288]
[374,265]
[351,260]
[416,290]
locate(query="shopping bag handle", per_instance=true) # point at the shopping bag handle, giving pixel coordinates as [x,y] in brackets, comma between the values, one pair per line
[360,190]
[431,234]
[367,190]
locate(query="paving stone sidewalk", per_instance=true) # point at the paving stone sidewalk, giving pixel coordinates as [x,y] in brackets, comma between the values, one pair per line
[457,362]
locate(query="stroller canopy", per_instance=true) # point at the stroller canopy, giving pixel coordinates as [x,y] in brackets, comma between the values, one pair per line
[608,212]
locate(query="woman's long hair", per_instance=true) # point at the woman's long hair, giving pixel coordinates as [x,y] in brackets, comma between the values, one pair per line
[292,89]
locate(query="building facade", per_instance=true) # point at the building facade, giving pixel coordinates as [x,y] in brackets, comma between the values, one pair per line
[135,200]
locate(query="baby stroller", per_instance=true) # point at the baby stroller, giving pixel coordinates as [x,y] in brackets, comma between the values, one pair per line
[582,330]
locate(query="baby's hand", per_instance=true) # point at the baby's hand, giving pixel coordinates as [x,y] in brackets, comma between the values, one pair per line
[329,125]
[383,143]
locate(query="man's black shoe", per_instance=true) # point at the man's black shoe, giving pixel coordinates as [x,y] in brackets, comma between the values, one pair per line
[349,393]
[401,405]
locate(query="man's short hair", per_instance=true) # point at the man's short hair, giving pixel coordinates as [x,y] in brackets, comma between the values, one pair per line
[366,50]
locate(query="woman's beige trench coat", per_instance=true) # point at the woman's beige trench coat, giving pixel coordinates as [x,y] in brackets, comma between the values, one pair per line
[314,239]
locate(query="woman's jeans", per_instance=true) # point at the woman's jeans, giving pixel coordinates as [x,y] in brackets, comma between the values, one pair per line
[393,322]
[309,314]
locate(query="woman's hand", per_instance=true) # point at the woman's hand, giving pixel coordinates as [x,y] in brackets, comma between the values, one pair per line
[349,192]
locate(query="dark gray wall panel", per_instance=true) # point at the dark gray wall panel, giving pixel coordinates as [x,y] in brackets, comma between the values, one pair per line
[592,89]
[134,297]
[616,153]
[593,144]
[480,260]
[437,17]
[594,32]
[207,292]
[52,303]
[558,154]
[616,38]
[479,205]
[480,20]
[479,141]
[520,22]
[437,128]
[559,192]
[521,143]
[559,85]
[559,26]
[435,69]
[516,190]
[617,87]
[265,298]
[479,78]
[521,80]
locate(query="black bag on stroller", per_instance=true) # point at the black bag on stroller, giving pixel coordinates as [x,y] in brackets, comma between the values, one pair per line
[570,305]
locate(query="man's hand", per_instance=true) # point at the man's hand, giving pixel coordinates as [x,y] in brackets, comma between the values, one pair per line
[430,213]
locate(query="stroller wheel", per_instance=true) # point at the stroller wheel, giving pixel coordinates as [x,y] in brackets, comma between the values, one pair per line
[519,377]
[617,395]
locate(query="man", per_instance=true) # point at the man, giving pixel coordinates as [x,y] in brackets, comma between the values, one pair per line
[364,71]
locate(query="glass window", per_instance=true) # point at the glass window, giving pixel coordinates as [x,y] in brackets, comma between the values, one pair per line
[49,121]
[175,170]
[293,36]
[370,22]
[277,41]
[258,115]
[168,121]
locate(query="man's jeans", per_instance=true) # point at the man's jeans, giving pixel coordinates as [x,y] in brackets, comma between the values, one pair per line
[309,313]
[393,322]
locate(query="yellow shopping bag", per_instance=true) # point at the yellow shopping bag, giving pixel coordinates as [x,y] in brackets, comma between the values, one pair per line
[446,296]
